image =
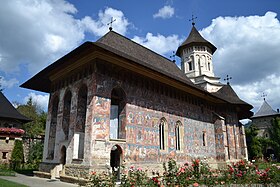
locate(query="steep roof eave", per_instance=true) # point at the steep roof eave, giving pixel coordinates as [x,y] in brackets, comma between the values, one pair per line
[195,39]
[7,111]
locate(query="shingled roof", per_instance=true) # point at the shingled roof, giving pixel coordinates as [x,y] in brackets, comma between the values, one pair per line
[228,94]
[265,110]
[121,46]
[195,38]
[7,110]
[127,48]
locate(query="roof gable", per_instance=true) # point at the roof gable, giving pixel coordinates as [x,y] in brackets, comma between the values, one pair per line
[265,110]
[228,94]
[8,111]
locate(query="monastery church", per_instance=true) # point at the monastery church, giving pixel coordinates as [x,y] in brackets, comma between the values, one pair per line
[114,102]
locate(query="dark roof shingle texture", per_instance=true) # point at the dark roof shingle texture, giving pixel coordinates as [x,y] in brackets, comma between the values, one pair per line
[265,110]
[8,111]
[195,38]
[142,55]
[228,94]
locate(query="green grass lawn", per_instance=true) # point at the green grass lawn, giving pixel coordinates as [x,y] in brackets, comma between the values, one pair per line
[6,183]
[7,172]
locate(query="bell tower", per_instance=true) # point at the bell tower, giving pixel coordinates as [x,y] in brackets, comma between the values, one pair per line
[196,61]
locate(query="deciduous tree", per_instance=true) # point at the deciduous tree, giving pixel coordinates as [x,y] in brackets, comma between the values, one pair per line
[275,136]
[36,127]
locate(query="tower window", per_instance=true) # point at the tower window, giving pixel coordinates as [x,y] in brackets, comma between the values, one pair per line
[190,65]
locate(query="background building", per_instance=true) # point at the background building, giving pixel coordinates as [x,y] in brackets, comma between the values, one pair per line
[10,128]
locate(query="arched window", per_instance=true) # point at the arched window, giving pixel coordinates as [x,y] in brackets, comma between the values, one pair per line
[66,113]
[79,136]
[117,114]
[163,131]
[190,65]
[179,136]
[204,138]
[52,129]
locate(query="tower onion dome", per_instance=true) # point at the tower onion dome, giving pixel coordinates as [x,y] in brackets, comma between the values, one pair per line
[195,39]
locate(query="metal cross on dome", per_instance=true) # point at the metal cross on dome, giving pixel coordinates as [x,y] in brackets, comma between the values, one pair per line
[193,18]
[111,23]
[227,79]
[263,96]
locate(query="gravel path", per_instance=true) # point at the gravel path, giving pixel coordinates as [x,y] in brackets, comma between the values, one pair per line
[32,181]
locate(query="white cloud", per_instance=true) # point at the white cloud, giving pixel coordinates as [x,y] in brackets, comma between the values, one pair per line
[269,85]
[159,43]
[248,50]
[165,12]
[41,100]
[8,83]
[35,33]
[100,26]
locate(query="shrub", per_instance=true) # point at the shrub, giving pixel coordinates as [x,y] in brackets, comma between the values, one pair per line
[196,173]
[17,157]
[35,155]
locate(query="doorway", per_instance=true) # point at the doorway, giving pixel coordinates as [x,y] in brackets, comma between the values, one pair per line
[115,160]
[63,155]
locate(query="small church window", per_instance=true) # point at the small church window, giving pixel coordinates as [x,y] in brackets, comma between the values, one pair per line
[117,114]
[209,67]
[204,138]
[177,137]
[4,155]
[163,134]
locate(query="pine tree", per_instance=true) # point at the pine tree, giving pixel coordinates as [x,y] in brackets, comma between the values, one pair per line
[17,155]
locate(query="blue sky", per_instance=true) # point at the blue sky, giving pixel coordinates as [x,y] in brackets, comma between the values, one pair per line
[34,33]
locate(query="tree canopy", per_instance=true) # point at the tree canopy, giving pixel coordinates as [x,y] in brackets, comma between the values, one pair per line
[274,132]
[31,110]
[254,143]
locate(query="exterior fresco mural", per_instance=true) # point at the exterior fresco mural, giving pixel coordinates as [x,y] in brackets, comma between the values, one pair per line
[146,102]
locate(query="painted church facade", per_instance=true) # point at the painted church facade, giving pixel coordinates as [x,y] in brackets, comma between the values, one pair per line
[114,102]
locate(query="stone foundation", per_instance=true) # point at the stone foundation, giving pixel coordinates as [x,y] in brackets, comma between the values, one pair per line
[78,171]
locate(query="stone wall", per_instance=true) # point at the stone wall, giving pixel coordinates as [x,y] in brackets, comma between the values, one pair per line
[6,148]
